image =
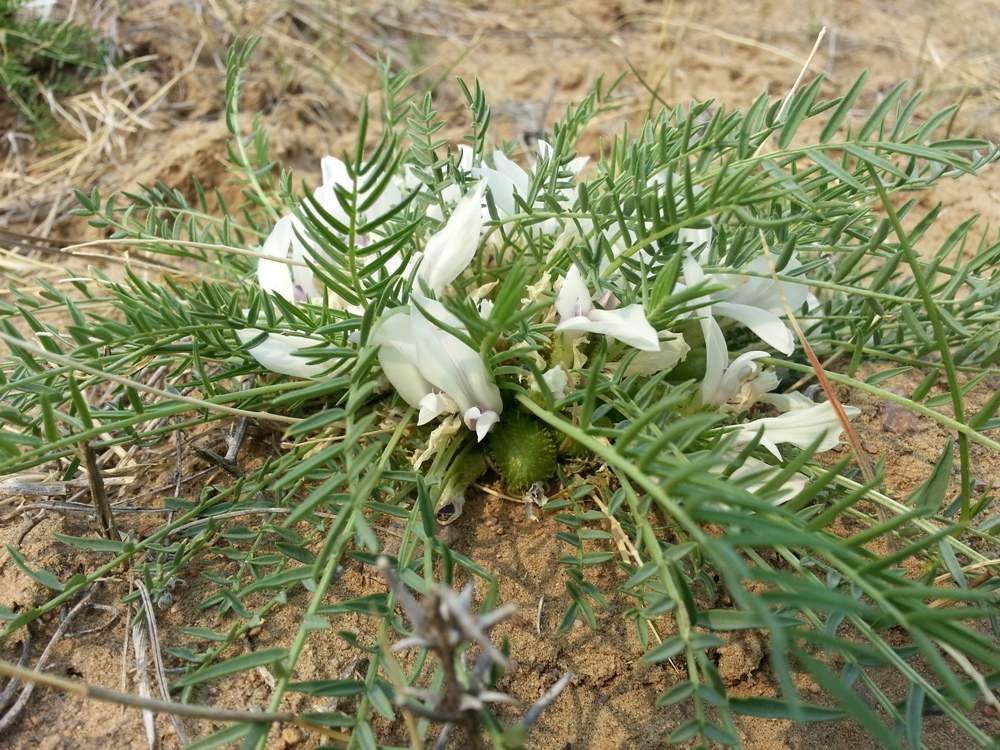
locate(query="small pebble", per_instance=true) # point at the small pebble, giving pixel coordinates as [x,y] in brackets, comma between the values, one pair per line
[291,736]
[898,419]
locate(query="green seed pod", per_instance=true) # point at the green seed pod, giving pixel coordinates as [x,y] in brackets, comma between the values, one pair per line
[522,449]
[570,448]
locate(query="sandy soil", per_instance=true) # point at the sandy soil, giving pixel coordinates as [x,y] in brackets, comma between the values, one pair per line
[169,128]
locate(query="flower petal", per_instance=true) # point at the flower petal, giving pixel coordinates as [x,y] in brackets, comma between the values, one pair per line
[698,241]
[453,367]
[574,166]
[762,292]
[449,251]
[759,473]
[732,379]
[397,356]
[334,171]
[279,353]
[556,380]
[502,189]
[574,296]
[800,428]
[273,276]
[673,350]
[627,324]
[768,326]
[694,274]
[293,282]
[513,172]
[716,355]
[784,402]
[480,421]
[433,405]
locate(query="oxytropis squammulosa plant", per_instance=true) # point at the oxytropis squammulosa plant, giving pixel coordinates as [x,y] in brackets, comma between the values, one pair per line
[516,293]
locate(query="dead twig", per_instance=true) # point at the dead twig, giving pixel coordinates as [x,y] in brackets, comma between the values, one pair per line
[34,484]
[149,617]
[99,495]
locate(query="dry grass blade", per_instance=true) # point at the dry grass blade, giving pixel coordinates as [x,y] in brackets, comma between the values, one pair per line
[38,485]
[859,453]
[148,624]
[139,646]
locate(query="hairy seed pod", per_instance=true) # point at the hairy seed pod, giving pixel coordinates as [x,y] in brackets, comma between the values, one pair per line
[522,449]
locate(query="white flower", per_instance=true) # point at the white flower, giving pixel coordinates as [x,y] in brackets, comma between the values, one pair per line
[759,474]
[280,353]
[335,174]
[742,369]
[577,313]
[761,320]
[293,281]
[506,179]
[785,402]
[433,370]
[762,292]
[757,386]
[800,428]
[450,251]
[769,327]
[757,306]
[556,380]
[42,8]
[289,243]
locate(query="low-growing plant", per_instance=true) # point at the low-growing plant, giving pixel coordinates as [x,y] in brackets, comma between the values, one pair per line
[436,315]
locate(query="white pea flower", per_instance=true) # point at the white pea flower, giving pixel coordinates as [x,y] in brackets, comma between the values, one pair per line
[450,251]
[753,302]
[577,313]
[433,370]
[335,174]
[673,350]
[450,194]
[573,166]
[756,312]
[289,244]
[294,281]
[733,378]
[759,474]
[279,353]
[41,8]
[286,277]
[755,387]
[282,269]
[801,428]
[556,380]
[507,179]
[785,402]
